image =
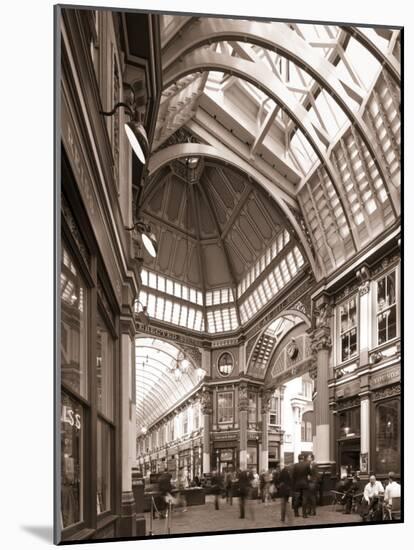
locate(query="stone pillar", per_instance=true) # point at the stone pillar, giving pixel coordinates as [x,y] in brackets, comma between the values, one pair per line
[297,410]
[206,409]
[127,422]
[365,434]
[243,417]
[281,415]
[321,345]
[264,462]
[365,336]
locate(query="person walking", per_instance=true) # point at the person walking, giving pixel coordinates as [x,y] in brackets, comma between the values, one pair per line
[244,489]
[217,486]
[300,479]
[312,486]
[284,493]
[228,486]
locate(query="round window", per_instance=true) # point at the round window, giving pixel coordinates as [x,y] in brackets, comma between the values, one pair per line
[225,364]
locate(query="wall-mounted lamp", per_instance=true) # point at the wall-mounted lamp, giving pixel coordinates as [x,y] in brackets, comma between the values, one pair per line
[135,131]
[148,238]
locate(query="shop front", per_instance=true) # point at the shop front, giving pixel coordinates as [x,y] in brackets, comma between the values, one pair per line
[348,430]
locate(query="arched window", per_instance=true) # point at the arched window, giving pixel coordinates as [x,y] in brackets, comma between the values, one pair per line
[225,364]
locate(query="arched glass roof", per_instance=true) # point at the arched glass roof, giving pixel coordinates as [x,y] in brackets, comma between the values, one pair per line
[314,110]
[157,387]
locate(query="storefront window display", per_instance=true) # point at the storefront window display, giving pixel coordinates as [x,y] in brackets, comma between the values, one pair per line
[71,461]
[252,408]
[387,436]
[104,368]
[104,468]
[74,326]
[349,423]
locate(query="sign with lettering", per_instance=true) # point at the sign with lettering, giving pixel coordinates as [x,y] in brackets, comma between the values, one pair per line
[387,376]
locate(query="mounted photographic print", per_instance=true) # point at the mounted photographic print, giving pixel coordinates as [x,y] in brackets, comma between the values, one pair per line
[228,274]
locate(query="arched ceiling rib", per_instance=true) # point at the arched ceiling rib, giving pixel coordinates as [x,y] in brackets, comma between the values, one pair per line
[390,63]
[289,44]
[165,156]
[206,60]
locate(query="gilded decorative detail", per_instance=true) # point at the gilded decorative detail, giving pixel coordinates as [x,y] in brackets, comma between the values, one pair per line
[384,393]
[343,404]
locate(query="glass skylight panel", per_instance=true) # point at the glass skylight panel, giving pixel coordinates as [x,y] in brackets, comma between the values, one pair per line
[183,317]
[144,277]
[176,314]
[210,322]
[151,305]
[209,298]
[191,317]
[199,298]
[193,296]
[169,287]
[177,290]
[199,323]
[168,311]
[161,283]
[152,280]
[216,297]
[159,311]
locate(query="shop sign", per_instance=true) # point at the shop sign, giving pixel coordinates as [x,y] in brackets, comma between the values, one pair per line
[224,436]
[70,417]
[385,377]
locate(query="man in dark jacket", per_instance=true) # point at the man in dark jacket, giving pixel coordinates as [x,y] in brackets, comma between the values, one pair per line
[217,487]
[313,485]
[244,489]
[300,480]
[284,491]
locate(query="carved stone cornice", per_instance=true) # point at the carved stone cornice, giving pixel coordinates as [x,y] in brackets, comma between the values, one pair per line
[243,397]
[321,339]
[363,276]
[384,393]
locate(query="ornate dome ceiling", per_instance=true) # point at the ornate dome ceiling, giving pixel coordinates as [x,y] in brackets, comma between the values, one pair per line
[211,221]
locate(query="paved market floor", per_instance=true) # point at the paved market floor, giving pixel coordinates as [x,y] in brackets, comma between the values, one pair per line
[258,515]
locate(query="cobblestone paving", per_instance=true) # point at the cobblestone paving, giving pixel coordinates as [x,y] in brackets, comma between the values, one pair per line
[258,515]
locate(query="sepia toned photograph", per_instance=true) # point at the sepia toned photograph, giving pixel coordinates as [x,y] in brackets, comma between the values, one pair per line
[228,274]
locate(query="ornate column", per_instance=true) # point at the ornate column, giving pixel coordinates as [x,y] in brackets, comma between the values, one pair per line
[281,416]
[206,409]
[243,416]
[264,462]
[128,518]
[321,345]
[365,331]
[297,410]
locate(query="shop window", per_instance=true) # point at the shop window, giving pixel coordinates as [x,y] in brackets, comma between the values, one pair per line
[349,423]
[348,329]
[103,502]
[387,436]
[225,364]
[306,431]
[225,407]
[386,308]
[104,368]
[251,458]
[274,411]
[196,417]
[185,421]
[252,414]
[74,326]
[71,426]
